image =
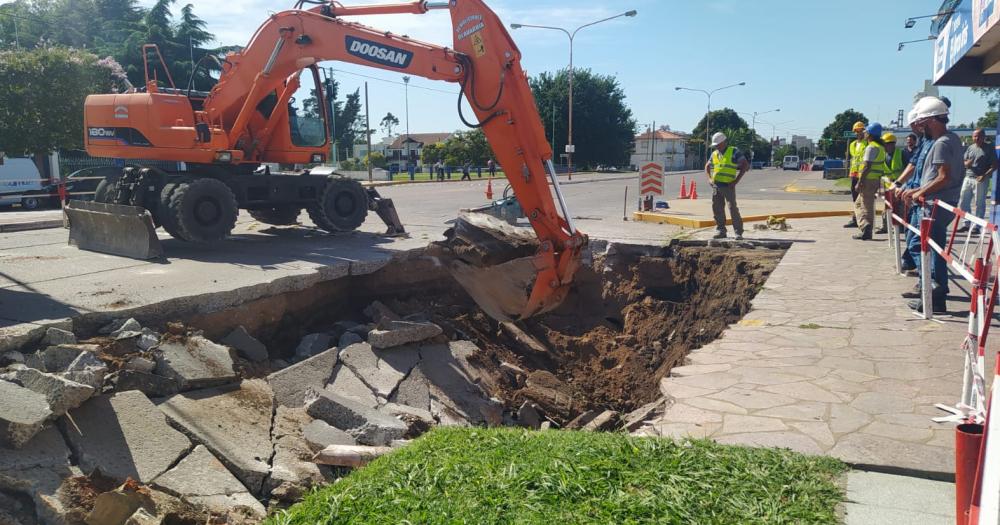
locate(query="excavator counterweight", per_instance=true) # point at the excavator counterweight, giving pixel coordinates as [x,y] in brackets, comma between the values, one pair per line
[252,118]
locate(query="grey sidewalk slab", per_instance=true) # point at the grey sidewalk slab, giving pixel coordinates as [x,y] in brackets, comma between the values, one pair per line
[829,361]
[884,499]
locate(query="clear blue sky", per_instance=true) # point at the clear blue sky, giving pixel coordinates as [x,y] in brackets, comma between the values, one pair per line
[812,59]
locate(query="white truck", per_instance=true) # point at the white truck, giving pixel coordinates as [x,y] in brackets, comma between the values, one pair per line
[20,183]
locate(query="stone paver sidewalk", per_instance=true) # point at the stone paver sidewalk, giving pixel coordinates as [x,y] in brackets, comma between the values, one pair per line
[829,361]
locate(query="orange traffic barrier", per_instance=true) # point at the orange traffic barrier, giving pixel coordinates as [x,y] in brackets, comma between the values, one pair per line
[684,190]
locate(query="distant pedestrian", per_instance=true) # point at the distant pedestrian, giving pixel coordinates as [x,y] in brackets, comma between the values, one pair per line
[911,147]
[856,152]
[467,171]
[725,169]
[942,180]
[980,162]
[868,181]
[492,166]
[440,170]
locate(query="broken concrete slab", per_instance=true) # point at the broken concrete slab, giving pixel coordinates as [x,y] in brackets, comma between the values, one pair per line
[124,436]
[290,384]
[46,450]
[313,344]
[528,416]
[454,383]
[246,345]
[197,363]
[141,364]
[234,422]
[61,394]
[319,434]
[413,391]
[147,340]
[58,358]
[581,420]
[43,485]
[150,384]
[11,358]
[127,327]
[645,414]
[377,312]
[400,333]
[202,479]
[365,424]
[347,384]
[117,506]
[381,371]
[292,472]
[418,421]
[87,369]
[605,421]
[22,414]
[348,339]
[58,336]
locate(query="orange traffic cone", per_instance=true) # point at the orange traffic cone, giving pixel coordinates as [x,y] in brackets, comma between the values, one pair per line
[694,190]
[489,189]
[684,190]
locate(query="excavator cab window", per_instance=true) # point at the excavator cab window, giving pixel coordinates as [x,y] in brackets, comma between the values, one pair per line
[307,112]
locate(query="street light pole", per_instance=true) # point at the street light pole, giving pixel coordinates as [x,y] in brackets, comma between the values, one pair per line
[753,128]
[406,88]
[570,147]
[708,114]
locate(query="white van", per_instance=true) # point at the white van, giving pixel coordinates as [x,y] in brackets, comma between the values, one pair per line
[791,162]
[19,176]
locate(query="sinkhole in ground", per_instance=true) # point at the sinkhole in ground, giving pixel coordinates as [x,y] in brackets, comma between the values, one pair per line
[633,314]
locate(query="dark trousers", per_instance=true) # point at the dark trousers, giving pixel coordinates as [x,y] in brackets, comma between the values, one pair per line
[939,233]
[466,176]
[911,252]
[721,195]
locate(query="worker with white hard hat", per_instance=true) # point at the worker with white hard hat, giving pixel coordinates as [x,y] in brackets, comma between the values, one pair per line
[941,179]
[910,179]
[725,168]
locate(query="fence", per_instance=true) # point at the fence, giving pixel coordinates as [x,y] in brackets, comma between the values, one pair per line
[974,255]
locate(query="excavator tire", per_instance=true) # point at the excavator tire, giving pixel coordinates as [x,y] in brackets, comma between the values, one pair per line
[279,216]
[342,207]
[104,188]
[204,209]
[166,219]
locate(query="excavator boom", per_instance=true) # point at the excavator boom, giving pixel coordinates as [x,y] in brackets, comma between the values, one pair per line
[231,126]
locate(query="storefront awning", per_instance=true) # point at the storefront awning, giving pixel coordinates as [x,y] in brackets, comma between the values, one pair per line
[967,49]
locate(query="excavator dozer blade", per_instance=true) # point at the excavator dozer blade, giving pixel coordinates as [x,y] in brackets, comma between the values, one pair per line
[115,229]
[494,262]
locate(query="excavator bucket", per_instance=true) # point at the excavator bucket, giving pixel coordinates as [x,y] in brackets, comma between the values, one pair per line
[495,263]
[115,229]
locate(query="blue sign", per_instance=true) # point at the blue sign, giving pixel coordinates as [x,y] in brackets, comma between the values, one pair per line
[955,40]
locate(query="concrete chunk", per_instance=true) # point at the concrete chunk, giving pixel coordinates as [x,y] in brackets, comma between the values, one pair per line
[418,421]
[245,344]
[150,384]
[22,414]
[46,450]
[319,435]
[382,371]
[58,358]
[400,333]
[290,384]
[413,391]
[293,472]
[88,370]
[202,479]
[198,363]
[313,344]
[234,422]
[125,436]
[348,339]
[377,312]
[365,424]
[61,394]
[126,329]
[57,336]
[456,395]
[604,422]
[347,384]
[141,364]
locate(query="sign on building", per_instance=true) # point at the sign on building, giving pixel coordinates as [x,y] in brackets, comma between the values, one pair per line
[651,179]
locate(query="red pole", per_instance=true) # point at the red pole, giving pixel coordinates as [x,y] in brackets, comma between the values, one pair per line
[968,442]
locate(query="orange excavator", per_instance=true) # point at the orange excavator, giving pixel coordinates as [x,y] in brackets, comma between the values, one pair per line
[251,118]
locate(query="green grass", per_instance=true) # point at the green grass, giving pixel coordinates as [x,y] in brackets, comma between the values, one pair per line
[404,176]
[810,326]
[844,184]
[480,476]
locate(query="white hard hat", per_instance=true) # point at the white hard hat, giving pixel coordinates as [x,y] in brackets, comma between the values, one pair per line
[718,138]
[929,107]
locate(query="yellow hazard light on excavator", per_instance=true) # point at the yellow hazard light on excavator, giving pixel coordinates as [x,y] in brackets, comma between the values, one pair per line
[224,156]
[318,158]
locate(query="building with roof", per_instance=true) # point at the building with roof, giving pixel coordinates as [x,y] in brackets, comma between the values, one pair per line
[405,150]
[668,148]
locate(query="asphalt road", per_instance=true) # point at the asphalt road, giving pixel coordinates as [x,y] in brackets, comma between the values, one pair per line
[42,279]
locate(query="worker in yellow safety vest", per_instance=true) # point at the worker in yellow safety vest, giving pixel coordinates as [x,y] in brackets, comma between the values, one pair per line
[725,169]
[856,152]
[894,166]
[873,168]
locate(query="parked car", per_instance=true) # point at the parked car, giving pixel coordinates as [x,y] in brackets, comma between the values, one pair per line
[20,183]
[791,162]
[757,165]
[817,163]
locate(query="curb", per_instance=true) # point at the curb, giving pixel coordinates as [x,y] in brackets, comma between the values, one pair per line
[562,181]
[29,226]
[792,188]
[698,222]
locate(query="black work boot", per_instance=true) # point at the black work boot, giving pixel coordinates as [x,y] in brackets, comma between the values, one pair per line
[719,235]
[864,235]
[852,224]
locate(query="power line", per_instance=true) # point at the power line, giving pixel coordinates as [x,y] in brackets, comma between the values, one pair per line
[394,82]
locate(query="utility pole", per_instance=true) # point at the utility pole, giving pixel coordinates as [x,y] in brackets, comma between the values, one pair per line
[17,40]
[652,145]
[368,134]
[406,88]
[553,126]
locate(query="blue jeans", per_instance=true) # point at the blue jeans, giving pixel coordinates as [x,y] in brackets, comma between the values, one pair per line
[939,233]
[911,253]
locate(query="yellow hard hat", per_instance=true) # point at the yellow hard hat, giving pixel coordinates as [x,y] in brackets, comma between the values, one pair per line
[858,126]
[889,137]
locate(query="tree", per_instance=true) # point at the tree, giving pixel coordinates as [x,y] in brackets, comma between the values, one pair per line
[376,159]
[466,147]
[431,153]
[988,121]
[388,122]
[603,127]
[783,151]
[725,120]
[41,97]
[833,140]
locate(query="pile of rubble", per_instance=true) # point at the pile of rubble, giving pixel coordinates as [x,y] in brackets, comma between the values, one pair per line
[135,426]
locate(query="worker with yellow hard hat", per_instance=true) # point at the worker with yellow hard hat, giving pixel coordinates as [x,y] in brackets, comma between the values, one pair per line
[894,166]
[856,153]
